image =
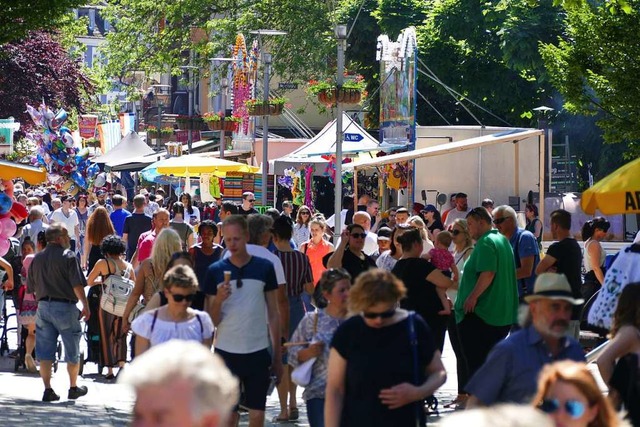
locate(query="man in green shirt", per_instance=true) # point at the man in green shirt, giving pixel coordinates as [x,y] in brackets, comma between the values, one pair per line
[487,302]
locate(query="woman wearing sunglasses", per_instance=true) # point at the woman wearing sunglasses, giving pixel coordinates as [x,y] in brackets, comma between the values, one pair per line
[176,320]
[318,328]
[349,252]
[570,395]
[301,230]
[370,380]
[463,247]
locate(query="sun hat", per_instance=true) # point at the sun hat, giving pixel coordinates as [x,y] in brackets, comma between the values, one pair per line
[553,286]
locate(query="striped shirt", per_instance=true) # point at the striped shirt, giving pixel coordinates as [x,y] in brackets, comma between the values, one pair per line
[297,271]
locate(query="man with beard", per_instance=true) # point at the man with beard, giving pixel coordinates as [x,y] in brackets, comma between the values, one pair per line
[459,212]
[102,201]
[57,280]
[511,371]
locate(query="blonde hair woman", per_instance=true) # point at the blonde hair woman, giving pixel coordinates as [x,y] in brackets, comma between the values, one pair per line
[149,277]
[419,223]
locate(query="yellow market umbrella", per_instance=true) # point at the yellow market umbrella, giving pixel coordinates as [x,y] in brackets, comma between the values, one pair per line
[617,193]
[31,174]
[195,164]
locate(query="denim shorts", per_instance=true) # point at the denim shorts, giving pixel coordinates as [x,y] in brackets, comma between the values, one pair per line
[55,319]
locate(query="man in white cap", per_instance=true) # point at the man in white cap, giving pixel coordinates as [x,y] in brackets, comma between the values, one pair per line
[510,373]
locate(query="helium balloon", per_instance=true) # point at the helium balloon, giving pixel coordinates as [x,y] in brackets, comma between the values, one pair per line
[4,246]
[5,203]
[59,119]
[101,180]
[9,227]
[93,170]
[79,179]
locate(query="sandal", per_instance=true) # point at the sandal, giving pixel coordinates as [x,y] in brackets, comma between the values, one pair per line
[277,419]
[293,414]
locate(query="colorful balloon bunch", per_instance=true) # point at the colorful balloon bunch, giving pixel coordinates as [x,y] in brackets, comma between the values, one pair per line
[11,212]
[56,151]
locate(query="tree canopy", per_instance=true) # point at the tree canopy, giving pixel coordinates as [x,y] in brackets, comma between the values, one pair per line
[18,18]
[38,68]
[595,65]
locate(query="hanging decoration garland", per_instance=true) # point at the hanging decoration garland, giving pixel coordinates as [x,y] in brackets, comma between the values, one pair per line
[241,81]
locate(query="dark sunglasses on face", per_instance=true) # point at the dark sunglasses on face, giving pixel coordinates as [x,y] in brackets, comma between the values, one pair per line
[499,221]
[358,235]
[251,200]
[574,408]
[305,213]
[455,232]
[180,297]
[384,315]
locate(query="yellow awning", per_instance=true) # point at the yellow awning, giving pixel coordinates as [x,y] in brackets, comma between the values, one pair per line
[32,175]
[195,164]
[617,193]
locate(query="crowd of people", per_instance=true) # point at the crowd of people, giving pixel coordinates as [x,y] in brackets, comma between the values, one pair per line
[364,316]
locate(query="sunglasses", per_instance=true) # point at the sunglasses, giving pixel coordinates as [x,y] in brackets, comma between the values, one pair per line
[455,232]
[358,235]
[180,297]
[574,408]
[305,213]
[500,220]
[384,315]
[251,200]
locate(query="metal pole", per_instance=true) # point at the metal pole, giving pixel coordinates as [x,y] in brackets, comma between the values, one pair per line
[341,35]
[190,87]
[159,144]
[266,58]
[223,101]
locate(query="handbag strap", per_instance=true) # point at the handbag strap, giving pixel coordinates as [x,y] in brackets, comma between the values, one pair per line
[315,325]
[413,342]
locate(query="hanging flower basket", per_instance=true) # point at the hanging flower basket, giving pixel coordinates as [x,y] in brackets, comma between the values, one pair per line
[351,92]
[231,126]
[183,122]
[275,109]
[217,125]
[349,96]
[257,108]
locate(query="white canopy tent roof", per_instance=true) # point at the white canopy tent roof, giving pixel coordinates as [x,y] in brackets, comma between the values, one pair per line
[130,146]
[447,148]
[356,140]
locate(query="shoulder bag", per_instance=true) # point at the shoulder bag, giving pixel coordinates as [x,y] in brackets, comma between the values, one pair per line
[115,293]
[139,307]
[301,375]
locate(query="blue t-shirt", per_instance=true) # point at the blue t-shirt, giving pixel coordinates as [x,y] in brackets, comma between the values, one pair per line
[118,217]
[243,325]
[510,373]
[524,244]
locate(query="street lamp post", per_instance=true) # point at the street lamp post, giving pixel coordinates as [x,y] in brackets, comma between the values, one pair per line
[224,85]
[161,93]
[341,36]
[266,58]
[190,88]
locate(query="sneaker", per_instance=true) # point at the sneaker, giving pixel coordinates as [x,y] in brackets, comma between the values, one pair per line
[76,392]
[30,363]
[50,395]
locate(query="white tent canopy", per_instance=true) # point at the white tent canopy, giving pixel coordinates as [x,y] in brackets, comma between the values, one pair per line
[130,146]
[356,140]
[448,148]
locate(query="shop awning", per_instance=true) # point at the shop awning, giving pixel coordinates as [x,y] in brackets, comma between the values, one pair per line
[448,148]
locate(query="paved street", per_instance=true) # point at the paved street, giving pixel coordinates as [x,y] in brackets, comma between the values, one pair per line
[109,404]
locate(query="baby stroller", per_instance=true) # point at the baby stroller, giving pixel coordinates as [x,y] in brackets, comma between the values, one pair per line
[92,332]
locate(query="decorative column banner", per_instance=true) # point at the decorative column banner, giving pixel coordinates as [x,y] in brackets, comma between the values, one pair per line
[87,124]
[398,88]
[242,86]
